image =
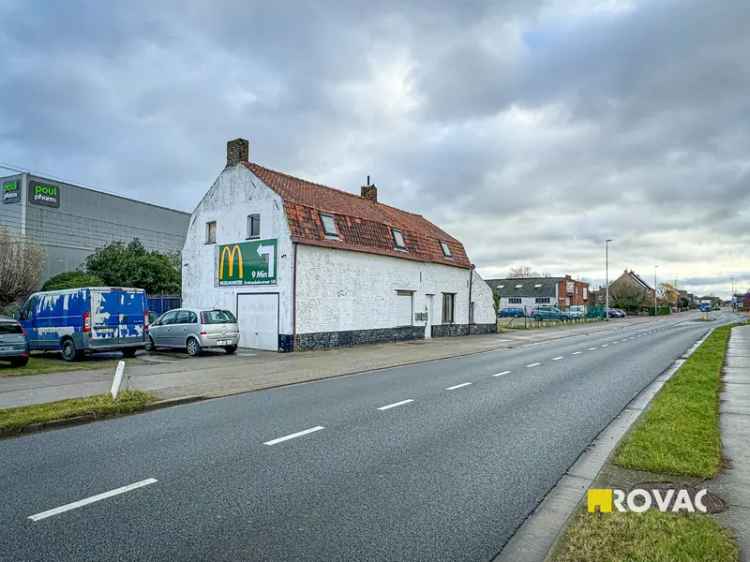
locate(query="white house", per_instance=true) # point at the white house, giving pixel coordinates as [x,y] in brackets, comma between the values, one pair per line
[305,266]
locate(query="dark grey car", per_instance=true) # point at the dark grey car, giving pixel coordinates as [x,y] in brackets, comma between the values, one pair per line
[194,330]
[13,344]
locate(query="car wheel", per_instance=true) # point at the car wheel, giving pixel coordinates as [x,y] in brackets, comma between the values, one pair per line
[69,351]
[20,362]
[130,352]
[230,349]
[150,345]
[193,347]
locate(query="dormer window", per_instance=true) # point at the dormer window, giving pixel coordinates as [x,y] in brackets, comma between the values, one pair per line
[398,239]
[446,249]
[329,225]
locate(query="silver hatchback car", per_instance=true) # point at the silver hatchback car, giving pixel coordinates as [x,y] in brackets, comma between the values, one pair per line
[13,344]
[194,330]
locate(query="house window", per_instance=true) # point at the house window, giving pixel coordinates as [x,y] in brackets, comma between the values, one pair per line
[211,232]
[446,249]
[514,300]
[542,300]
[253,226]
[329,225]
[398,239]
[449,303]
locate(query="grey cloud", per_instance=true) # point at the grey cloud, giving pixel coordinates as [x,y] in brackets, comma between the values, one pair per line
[532,131]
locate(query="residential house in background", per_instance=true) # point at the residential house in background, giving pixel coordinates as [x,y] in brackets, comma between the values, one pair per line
[305,266]
[630,292]
[532,292]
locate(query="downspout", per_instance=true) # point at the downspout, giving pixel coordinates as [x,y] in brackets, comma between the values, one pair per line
[471,281]
[294,296]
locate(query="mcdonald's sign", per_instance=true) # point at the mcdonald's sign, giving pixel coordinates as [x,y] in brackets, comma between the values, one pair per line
[247,263]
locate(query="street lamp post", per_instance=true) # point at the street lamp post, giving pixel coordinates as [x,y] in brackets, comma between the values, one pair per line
[606,278]
[655,290]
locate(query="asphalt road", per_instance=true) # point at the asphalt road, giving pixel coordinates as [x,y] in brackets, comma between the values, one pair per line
[436,461]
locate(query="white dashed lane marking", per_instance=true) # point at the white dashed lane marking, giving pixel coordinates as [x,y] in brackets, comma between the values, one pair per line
[396,404]
[557,358]
[92,499]
[454,387]
[501,374]
[294,435]
[532,365]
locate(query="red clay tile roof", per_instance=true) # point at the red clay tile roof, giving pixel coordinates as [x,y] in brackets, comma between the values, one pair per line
[363,225]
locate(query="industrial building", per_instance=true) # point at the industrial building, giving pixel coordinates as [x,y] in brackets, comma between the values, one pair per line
[305,266]
[70,222]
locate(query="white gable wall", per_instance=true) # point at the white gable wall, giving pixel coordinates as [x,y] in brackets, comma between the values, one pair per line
[235,194]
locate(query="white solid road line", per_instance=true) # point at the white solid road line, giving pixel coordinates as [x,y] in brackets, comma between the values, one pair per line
[532,365]
[501,374]
[396,404]
[458,386]
[557,358]
[92,499]
[294,435]
[576,353]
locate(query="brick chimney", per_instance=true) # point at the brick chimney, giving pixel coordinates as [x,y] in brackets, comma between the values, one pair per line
[238,151]
[369,192]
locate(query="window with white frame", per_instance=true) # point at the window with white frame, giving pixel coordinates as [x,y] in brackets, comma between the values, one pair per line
[514,300]
[211,232]
[329,225]
[398,239]
[446,250]
[253,226]
[542,300]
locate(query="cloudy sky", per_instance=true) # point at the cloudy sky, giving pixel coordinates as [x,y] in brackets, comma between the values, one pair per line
[532,131]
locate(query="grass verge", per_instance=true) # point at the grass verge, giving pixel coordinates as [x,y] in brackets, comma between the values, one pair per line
[14,420]
[652,536]
[41,365]
[679,433]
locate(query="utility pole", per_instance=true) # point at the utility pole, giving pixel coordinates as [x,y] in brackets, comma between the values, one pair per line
[655,290]
[606,278]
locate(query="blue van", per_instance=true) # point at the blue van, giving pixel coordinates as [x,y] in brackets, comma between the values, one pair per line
[81,321]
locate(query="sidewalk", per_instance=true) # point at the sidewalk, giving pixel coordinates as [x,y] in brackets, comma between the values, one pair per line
[733,484]
[171,375]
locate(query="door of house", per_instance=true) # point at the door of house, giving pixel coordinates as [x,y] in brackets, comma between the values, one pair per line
[258,319]
[430,316]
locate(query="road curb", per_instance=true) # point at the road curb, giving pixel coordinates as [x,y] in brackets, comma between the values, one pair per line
[88,418]
[537,536]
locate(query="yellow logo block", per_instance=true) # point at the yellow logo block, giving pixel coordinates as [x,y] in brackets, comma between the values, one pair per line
[599,498]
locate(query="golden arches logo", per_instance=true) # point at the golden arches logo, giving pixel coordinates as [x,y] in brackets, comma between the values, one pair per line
[230,254]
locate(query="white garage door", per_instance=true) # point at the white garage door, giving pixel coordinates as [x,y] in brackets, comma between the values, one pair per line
[258,316]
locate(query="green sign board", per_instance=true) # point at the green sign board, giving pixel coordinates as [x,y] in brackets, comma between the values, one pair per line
[247,263]
[46,194]
[11,192]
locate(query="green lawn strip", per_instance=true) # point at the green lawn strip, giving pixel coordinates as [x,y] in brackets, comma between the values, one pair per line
[679,433]
[41,365]
[13,420]
[651,536]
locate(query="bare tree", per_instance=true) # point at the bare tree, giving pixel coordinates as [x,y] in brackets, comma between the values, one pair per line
[522,271]
[21,264]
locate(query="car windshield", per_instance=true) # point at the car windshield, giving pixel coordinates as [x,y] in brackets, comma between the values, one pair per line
[217,317]
[10,328]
